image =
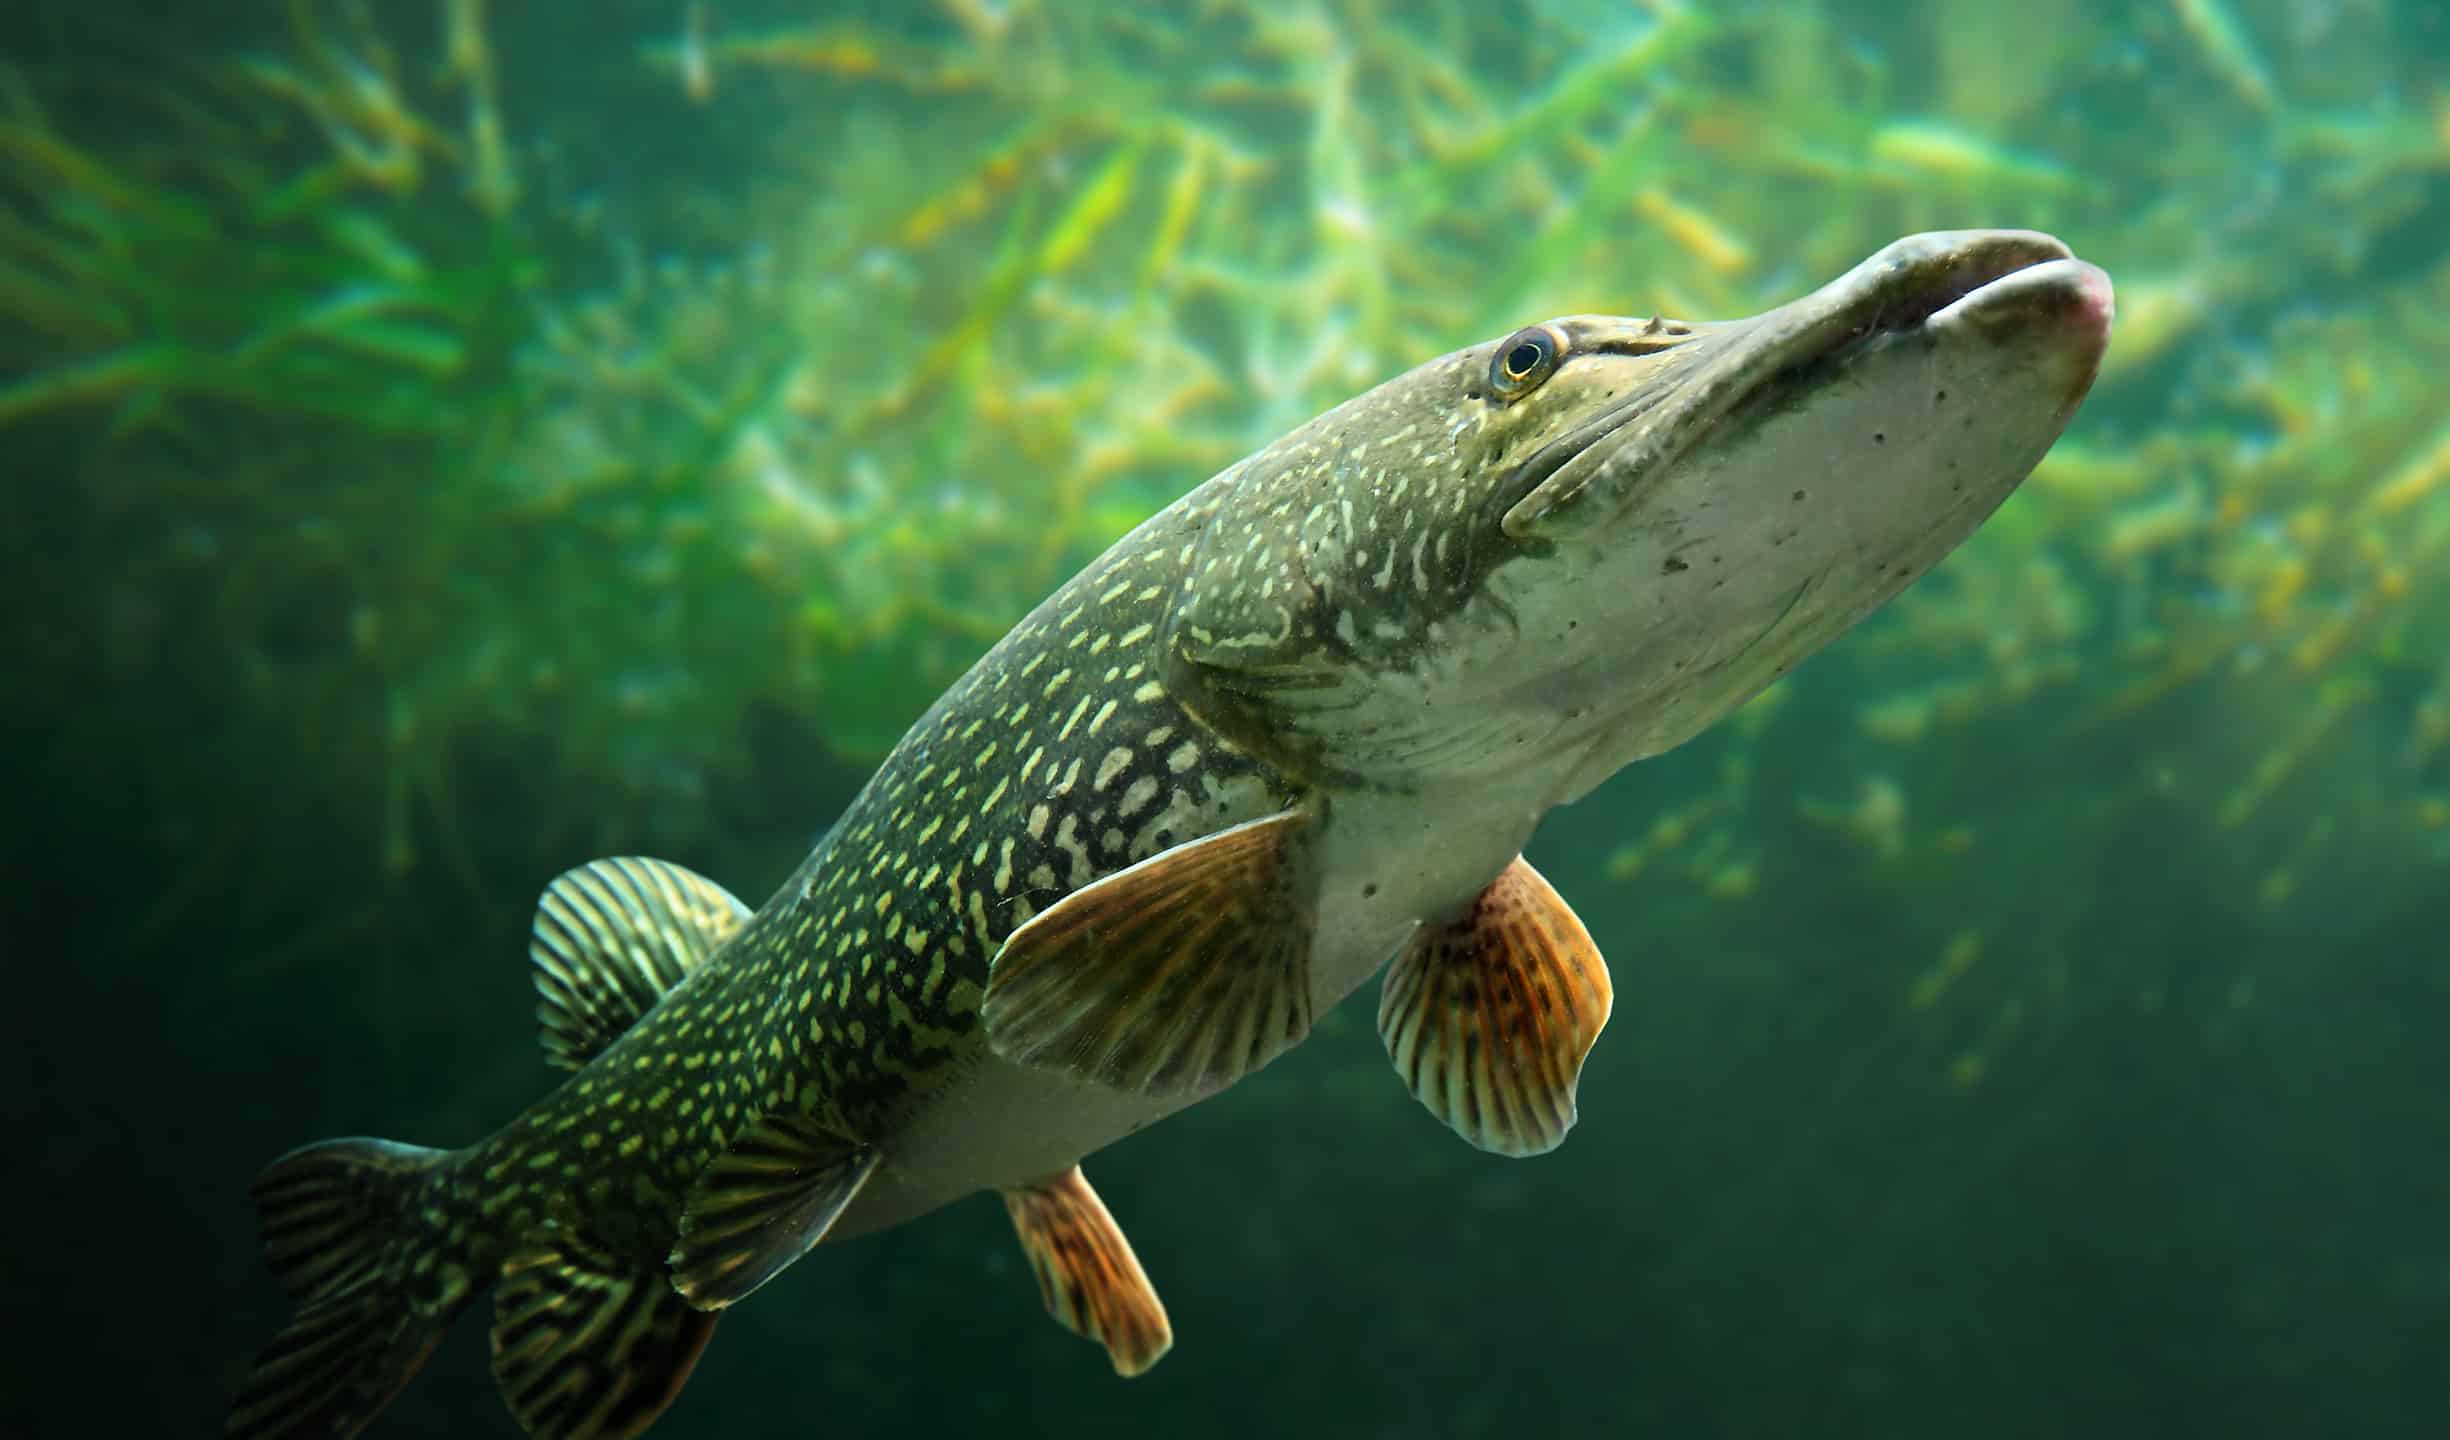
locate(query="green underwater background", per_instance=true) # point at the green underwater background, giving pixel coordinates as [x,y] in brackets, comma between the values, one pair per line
[448,442]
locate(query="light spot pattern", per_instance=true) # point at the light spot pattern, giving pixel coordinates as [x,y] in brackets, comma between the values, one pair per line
[1062,757]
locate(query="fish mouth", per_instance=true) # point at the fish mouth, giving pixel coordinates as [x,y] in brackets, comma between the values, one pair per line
[1994,280]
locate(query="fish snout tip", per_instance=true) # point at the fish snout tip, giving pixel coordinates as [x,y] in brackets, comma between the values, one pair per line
[2098,299]
[2067,299]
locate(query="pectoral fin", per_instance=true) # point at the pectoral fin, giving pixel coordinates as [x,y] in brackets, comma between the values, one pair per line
[1092,1283]
[1178,975]
[762,1204]
[1488,1016]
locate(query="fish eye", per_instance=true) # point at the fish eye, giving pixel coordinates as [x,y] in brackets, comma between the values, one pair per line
[1527,357]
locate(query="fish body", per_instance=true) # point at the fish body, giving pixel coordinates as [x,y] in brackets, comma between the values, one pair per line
[1295,727]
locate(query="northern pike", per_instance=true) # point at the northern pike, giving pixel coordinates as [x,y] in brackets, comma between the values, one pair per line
[1296,726]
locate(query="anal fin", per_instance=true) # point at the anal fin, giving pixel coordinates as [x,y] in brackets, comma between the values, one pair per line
[610,937]
[587,1345]
[1488,1017]
[1092,1283]
[762,1204]
[1175,976]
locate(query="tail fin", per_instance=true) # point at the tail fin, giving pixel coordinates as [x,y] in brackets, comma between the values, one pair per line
[347,1234]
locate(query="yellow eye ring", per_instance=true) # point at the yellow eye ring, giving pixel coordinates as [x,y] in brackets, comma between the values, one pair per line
[1522,361]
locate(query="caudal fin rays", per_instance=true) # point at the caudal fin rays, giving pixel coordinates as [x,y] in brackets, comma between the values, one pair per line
[373,1280]
[332,1369]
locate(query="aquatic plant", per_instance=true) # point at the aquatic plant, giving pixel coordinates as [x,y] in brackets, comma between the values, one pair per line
[604,501]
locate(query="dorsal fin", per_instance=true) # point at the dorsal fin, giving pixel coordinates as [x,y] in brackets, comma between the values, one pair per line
[610,938]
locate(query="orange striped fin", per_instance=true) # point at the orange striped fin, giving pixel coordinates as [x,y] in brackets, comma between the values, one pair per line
[1092,1283]
[1489,1016]
[1175,976]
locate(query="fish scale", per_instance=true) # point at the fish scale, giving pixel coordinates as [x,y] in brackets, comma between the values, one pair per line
[1293,730]
[1060,758]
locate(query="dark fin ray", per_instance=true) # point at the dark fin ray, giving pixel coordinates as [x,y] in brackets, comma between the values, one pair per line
[1175,976]
[587,1346]
[333,1369]
[610,938]
[762,1204]
[329,1212]
[1092,1284]
[343,1232]
[1489,1016]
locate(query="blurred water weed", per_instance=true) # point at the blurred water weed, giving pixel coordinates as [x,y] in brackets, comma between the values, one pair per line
[447,454]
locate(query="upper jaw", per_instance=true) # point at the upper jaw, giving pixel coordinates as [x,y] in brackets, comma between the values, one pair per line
[1946,274]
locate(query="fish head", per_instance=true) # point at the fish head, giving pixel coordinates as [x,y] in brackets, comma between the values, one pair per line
[1580,544]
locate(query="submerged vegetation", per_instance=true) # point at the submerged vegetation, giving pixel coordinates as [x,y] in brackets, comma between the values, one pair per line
[442,455]
[451,453]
